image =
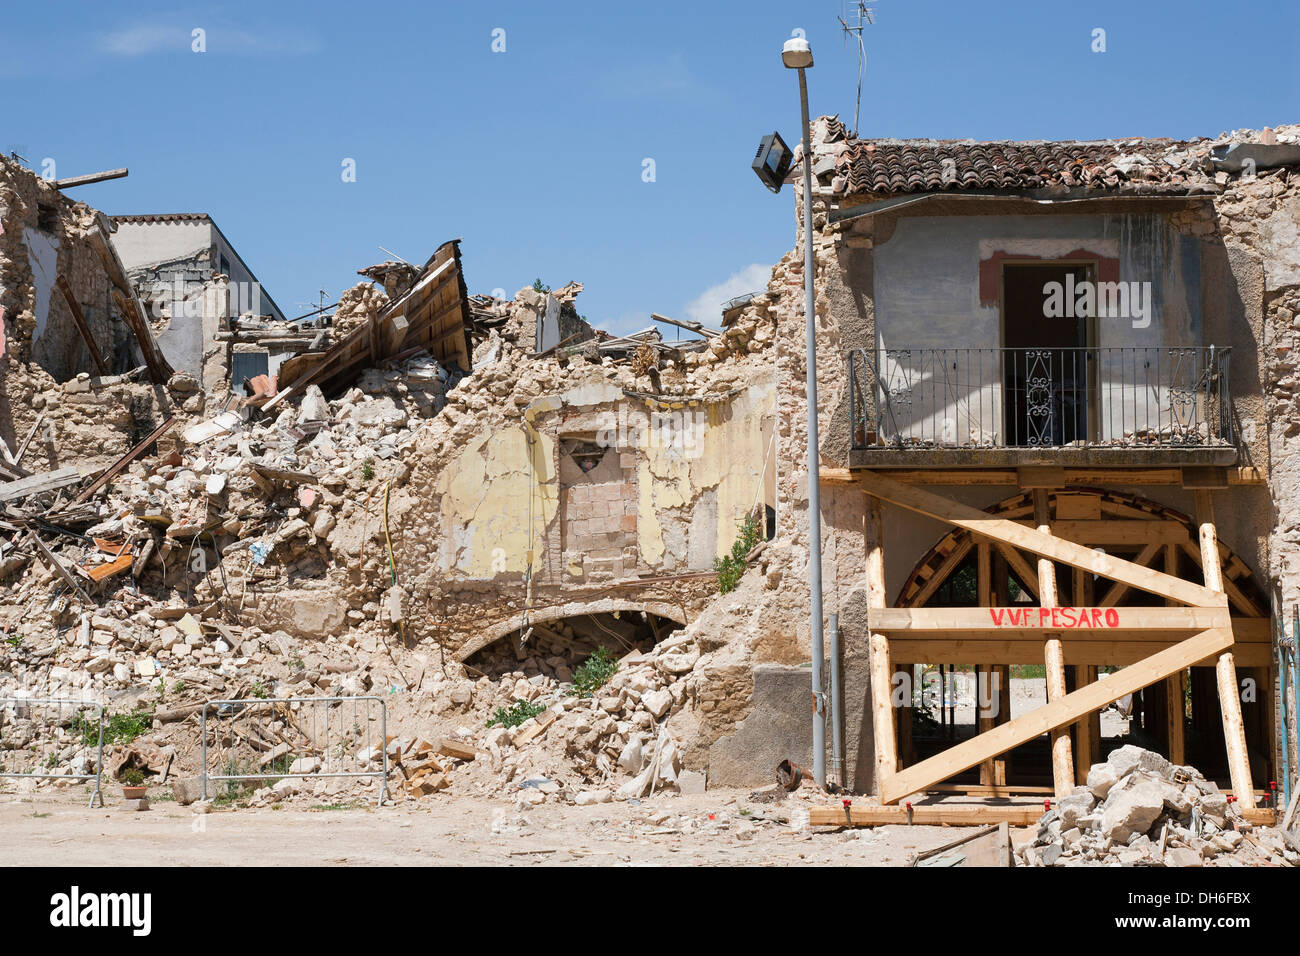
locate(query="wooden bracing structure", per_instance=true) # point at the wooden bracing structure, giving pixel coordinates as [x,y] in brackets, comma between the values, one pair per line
[1193,624]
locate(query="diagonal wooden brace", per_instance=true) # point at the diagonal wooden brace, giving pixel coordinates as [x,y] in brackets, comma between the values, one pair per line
[1038,542]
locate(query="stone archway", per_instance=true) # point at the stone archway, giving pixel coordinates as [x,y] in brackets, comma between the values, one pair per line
[557,612]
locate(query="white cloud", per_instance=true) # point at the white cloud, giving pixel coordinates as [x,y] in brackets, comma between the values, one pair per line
[706,308]
[142,38]
[145,38]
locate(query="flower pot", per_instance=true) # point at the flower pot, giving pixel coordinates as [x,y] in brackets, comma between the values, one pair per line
[134,793]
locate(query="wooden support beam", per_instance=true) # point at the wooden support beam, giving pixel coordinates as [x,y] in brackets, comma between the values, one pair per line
[955,815]
[984,672]
[83,327]
[1053,655]
[1057,713]
[998,622]
[945,568]
[1012,558]
[1117,591]
[882,714]
[1108,653]
[1175,729]
[1234,730]
[1040,543]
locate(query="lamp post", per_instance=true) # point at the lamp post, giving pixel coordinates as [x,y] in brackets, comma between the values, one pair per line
[797,55]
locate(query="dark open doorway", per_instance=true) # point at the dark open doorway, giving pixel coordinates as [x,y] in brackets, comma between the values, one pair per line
[1047,368]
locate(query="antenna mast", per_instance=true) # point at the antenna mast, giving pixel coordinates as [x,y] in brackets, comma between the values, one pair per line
[861,17]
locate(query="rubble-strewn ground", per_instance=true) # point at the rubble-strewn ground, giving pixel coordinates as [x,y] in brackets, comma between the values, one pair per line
[722,827]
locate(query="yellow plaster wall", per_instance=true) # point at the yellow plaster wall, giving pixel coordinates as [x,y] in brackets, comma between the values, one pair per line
[488,493]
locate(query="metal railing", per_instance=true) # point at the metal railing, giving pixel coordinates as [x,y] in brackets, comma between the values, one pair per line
[1137,397]
[34,743]
[333,734]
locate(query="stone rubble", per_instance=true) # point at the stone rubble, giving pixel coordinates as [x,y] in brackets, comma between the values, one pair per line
[1138,809]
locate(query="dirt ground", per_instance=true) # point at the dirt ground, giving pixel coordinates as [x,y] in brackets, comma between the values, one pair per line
[719,828]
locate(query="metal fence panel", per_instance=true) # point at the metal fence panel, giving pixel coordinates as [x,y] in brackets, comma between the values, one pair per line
[336,731]
[40,734]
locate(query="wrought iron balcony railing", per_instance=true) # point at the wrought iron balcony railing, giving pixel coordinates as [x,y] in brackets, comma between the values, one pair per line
[1040,398]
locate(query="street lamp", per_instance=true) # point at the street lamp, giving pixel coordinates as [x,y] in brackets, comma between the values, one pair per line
[797,55]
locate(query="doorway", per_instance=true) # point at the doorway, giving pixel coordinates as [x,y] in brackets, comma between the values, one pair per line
[1048,369]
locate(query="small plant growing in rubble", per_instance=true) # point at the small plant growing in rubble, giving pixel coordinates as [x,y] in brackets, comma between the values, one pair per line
[368,469]
[731,569]
[516,715]
[297,663]
[15,642]
[258,690]
[540,286]
[594,673]
[118,729]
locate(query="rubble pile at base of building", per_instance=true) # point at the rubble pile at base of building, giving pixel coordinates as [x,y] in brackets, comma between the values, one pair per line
[1138,809]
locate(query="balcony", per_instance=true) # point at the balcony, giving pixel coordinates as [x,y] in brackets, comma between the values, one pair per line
[1066,406]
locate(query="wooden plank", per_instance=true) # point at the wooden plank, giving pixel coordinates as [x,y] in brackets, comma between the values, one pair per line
[985,673]
[83,327]
[1077,653]
[1055,714]
[1117,532]
[22,449]
[1234,729]
[882,711]
[1040,543]
[110,568]
[1175,706]
[1036,620]
[954,815]
[58,567]
[46,481]
[1053,655]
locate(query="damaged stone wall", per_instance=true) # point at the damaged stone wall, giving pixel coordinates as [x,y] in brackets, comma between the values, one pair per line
[46,371]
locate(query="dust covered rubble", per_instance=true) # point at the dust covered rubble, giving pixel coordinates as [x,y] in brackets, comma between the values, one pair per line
[1138,809]
[284,500]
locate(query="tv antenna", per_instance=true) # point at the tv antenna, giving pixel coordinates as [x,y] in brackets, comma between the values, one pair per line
[860,15]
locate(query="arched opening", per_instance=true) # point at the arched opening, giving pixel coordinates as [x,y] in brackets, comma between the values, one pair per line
[954,697]
[554,642]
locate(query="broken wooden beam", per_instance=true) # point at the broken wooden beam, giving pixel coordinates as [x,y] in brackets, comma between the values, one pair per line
[83,327]
[122,462]
[46,481]
[89,178]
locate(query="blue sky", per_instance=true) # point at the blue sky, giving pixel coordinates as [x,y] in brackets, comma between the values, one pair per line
[535,155]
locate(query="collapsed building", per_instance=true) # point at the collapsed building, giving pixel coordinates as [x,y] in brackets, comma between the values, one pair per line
[457,500]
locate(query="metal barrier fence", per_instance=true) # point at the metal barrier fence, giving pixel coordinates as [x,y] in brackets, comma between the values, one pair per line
[35,744]
[332,734]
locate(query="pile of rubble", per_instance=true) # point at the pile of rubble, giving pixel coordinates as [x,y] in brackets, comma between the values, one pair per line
[1138,809]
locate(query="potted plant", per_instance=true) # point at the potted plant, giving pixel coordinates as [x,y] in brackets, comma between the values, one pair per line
[133,785]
